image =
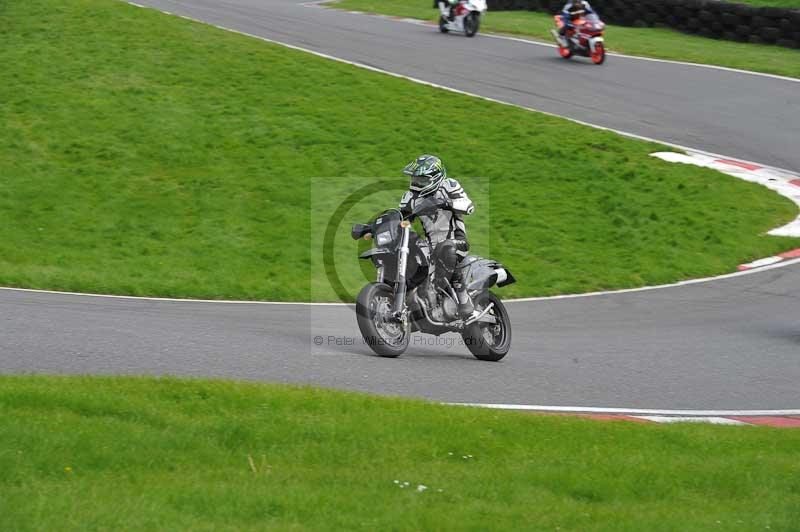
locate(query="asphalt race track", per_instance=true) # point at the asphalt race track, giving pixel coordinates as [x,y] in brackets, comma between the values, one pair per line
[730,343]
[726,344]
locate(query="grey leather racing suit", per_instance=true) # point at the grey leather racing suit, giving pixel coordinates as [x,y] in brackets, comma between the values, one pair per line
[444,229]
[446,223]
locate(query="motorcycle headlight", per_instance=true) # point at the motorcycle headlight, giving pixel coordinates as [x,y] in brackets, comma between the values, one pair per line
[383,238]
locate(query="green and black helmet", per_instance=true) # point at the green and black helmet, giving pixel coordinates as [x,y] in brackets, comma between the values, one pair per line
[427,173]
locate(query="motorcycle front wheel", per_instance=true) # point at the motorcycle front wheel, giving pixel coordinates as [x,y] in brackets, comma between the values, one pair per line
[564,52]
[489,341]
[599,54]
[443,24]
[471,23]
[386,336]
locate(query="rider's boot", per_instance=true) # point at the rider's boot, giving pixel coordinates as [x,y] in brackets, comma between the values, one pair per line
[465,306]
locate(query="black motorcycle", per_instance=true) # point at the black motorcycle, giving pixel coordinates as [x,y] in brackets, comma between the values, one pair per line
[393,307]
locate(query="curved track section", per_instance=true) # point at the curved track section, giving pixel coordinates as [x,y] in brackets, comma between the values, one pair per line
[727,344]
[736,114]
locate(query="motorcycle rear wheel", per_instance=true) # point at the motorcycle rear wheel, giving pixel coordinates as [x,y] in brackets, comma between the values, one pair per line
[385,336]
[471,23]
[487,341]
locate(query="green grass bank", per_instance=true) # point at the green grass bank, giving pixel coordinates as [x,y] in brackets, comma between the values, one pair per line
[648,42]
[786,4]
[163,454]
[145,154]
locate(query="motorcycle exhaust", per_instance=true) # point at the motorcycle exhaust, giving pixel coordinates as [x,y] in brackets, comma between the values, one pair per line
[458,323]
[425,312]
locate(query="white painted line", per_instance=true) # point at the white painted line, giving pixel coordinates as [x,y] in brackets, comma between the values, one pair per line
[508,37]
[632,411]
[173,299]
[520,300]
[715,420]
[660,286]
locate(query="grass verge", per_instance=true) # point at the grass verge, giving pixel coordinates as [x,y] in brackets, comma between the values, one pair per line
[648,42]
[145,154]
[786,4]
[141,454]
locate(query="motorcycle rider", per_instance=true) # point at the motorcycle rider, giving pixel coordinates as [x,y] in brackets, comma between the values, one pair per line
[443,225]
[447,8]
[572,11]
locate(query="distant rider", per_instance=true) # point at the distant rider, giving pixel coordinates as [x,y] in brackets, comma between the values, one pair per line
[444,226]
[572,11]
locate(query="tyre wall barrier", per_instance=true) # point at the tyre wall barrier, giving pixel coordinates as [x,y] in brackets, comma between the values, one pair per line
[710,18]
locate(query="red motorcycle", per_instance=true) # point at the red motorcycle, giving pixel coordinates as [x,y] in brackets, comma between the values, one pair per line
[585,38]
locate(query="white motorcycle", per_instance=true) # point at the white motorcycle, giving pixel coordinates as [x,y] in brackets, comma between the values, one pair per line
[466,16]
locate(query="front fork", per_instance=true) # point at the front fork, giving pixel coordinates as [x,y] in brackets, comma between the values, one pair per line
[402,261]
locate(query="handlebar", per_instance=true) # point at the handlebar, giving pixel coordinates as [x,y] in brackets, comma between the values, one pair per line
[425,205]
